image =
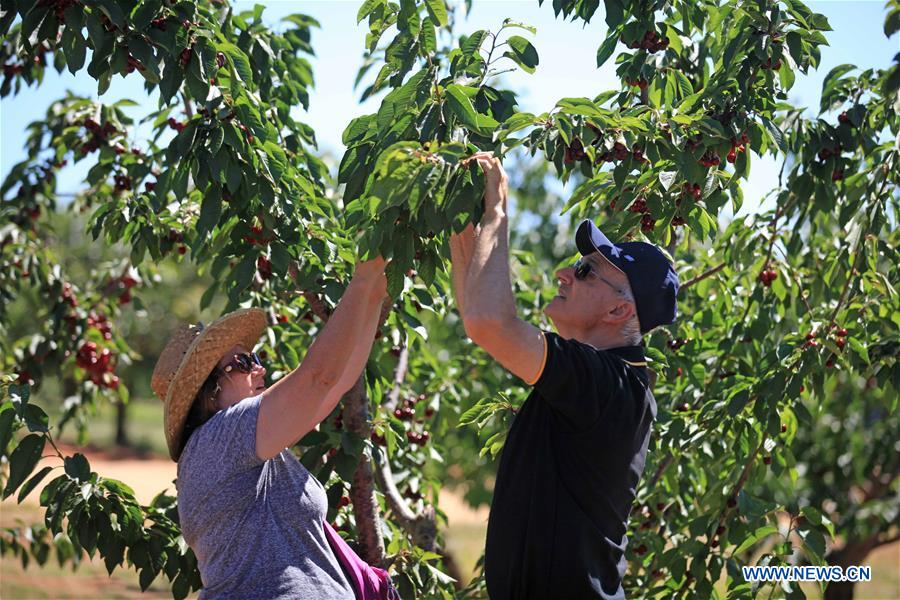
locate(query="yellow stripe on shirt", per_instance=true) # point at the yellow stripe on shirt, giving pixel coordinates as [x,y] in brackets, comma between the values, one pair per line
[543,361]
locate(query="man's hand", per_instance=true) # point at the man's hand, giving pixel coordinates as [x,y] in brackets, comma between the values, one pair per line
[462,247]
[496,183]
[373,271]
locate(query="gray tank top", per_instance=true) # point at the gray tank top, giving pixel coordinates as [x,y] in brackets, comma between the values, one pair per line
[255,526]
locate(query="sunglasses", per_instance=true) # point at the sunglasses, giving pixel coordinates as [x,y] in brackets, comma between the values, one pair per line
[584,268]
[243,362]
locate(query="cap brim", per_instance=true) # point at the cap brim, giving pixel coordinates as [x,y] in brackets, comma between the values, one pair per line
[589,239]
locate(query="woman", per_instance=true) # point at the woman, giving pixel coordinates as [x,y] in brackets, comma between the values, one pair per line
[253,515]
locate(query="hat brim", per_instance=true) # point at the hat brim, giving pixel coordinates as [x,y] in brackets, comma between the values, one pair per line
[242,327]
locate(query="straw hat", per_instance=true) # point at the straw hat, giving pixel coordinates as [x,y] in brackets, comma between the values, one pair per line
[190,356]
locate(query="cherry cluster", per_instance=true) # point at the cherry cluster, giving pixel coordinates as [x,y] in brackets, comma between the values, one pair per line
[257,238]
[709,159]
[99,134]
[123,284]
[767,276]
[647,221]
[826,153]
[651,42]
[676,343]
[264,267]
[59,7]
[737,146]
[620,152]
[100,322]
[133,64]
[774,66]
[640,83]
[186,56]
[177,237]
[10,69]
[123,182]
[176,124]
[98,363]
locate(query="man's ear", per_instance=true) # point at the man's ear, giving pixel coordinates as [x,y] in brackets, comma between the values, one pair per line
[621,312]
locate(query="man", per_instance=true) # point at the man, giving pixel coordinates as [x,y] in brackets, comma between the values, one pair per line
[576,450]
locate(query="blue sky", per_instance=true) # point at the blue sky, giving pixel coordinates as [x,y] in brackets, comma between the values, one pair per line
[567,68]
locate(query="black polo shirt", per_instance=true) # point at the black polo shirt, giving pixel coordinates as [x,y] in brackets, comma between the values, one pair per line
[568,475]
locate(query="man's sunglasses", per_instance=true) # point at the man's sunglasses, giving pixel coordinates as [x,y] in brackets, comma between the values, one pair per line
[584,268]
[243,362]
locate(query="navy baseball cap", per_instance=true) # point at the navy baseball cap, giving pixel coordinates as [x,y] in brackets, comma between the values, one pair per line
[652,277]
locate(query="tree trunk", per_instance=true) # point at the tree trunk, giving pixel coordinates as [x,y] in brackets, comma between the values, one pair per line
[362,488]
[854,552]
[121,431]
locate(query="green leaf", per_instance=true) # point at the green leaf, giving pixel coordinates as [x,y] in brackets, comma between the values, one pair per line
[685,88]
[760,533]
[210,211]
[7,420]
[144,12]
[77,467]
[23,460]
[367,8]
[472,43]
[395,279]
[608,46]
[774,133]
[461,106]
[32,483]
[239,60]
[114,11]
[523,53]
[437,10]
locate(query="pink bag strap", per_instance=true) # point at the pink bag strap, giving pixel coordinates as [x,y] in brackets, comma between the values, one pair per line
[369,583]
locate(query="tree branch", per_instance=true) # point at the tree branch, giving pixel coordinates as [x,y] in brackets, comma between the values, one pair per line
[422,528]
[702,276]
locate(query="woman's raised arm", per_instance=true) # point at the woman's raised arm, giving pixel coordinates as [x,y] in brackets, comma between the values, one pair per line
[296,403]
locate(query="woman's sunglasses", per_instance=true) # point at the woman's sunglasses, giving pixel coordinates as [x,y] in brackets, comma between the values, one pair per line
[243,362]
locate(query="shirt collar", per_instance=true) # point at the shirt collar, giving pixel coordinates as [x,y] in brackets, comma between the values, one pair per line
[632,355]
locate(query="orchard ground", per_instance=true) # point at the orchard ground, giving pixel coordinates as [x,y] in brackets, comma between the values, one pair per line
[148,472]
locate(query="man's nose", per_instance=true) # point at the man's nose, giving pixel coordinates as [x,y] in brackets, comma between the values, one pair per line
[566,275]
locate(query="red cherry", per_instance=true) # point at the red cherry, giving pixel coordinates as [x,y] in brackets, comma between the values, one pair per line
[720,530]
[332,453]
[731,156]
[784,429]
[182,249]
[842,332]
[282,318]
[843,118]
[829,364]
[429,412]
[714,543]
[767,460]
[837,175]
[220,59]
[840,343]
[640,550]
[344,501]
[125,298]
